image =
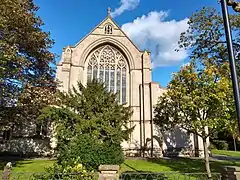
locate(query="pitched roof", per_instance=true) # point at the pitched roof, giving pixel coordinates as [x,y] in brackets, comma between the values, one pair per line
[102,22]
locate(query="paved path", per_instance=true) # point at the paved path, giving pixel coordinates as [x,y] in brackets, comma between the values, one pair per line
[223,157]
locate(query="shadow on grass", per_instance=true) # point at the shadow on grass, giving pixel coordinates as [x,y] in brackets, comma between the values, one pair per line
[189,165]
[182,165]
[17,161]
[132,168]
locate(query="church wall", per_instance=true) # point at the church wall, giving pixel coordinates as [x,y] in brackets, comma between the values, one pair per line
[64,77]
[71,71]
[75,76]
[136,81]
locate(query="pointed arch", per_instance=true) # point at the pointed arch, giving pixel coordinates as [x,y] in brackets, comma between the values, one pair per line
[114,43]
[108,64]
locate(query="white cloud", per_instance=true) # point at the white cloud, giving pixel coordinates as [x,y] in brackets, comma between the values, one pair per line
[153,32]
[125,5]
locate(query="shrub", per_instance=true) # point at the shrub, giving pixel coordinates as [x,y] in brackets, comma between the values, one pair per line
[221,145]
[65,171]
[212,146]
[91,152]
[231,145]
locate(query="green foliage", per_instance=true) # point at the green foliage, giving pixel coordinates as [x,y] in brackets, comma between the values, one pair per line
[92,118]
[200,94]
[74,171]
[220,145]
[205,36]
[25,59]
[24,55]
[91,152]
[212,146]
[197,98]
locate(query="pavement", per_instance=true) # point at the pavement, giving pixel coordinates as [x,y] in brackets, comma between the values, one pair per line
[223,157]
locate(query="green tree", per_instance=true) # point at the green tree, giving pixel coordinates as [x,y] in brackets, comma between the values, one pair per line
[198,101]
[234,131]
[205,37]
[25,58]
[23,116]
[92,112]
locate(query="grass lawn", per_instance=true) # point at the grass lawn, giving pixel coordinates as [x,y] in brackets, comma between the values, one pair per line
[186,165]
[226,153]
[35,165]
[30,165]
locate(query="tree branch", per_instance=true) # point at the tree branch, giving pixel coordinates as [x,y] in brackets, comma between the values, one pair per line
[235,5]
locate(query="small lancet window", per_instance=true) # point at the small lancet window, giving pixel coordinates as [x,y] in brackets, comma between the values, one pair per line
[108,29]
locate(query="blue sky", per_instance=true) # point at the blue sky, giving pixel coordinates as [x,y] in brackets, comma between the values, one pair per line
[69,21]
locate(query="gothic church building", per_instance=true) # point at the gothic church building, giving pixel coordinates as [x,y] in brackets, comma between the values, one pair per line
[107,54]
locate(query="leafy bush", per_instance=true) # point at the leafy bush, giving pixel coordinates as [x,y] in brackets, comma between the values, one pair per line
[212,146]
[221,145]
[90,124]
[231,145]
[65,171]
[91,152]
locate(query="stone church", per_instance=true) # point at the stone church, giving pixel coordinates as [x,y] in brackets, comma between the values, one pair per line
[107,53]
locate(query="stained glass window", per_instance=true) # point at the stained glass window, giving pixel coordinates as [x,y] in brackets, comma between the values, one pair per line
[118,83]
[89,73]
[124,85]
[95,71]
[101,73]
[106,80]
[108,65]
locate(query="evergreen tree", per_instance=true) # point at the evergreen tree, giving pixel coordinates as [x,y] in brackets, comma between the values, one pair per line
[94,113]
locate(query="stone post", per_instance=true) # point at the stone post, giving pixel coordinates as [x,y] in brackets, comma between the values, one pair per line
[109,172]
[231,173]
[6,171]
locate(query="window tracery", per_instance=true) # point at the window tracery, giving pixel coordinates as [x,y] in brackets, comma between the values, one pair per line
[109,66]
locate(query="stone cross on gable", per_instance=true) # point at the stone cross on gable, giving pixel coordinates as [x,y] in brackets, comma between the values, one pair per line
[109,11]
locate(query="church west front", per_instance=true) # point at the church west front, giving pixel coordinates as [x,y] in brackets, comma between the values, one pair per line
[107,54]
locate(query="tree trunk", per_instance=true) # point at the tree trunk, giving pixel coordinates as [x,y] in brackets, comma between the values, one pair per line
[234,143]
[206,157]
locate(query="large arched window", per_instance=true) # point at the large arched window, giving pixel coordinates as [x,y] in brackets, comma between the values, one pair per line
[109,65]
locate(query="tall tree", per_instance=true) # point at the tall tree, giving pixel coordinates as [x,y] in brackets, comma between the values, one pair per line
[205,37]
[93,114]
[24,50]
[198,101]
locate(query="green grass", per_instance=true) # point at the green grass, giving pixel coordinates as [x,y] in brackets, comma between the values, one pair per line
[186,165]
[31,165]
[183,165]
[35,165]
[226,153]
